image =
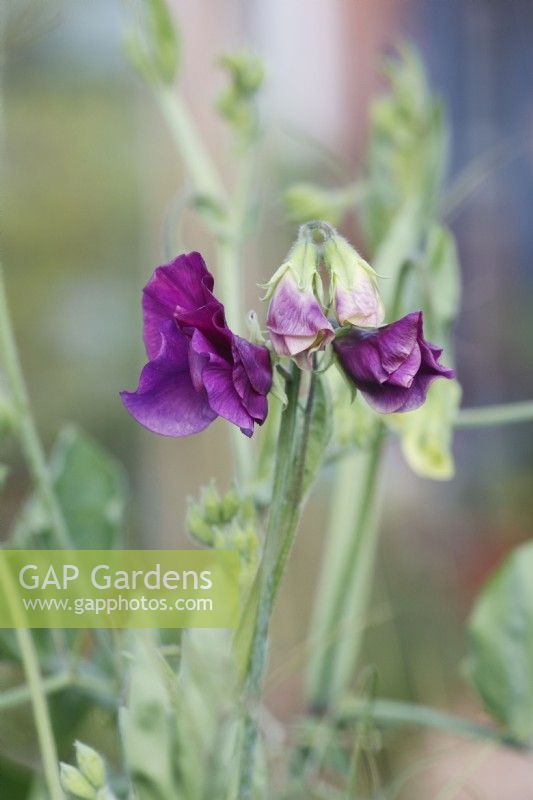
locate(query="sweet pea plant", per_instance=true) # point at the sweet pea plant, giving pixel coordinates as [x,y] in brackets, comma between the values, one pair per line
[335,366]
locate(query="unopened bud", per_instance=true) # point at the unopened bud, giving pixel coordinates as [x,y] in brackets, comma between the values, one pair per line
[197,527]
[353,285]
[230,505]
[75,783]
[210,500]
[91,764]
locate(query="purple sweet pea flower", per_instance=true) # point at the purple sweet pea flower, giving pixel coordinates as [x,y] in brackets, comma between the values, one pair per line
[392,366]
[198,368]
[296,322]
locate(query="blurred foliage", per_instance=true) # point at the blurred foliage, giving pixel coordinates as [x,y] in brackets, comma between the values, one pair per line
[91,488]
[407,146]
[153,47]
[500,650]
[227,522]
[236,103]
[426,434]
[305,202]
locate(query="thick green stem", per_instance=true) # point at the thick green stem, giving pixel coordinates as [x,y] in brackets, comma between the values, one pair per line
[286,506]
[337,626]
[26,428]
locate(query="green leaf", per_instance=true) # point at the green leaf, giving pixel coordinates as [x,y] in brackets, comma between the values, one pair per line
[320,431]
[444,276]
[426,434]
[146,726]
[91,490]
[500,660]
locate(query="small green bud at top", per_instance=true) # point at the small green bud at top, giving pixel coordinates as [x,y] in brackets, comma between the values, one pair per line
[236,103]
[246,71]
[75,783]
[91,764]
[155,50]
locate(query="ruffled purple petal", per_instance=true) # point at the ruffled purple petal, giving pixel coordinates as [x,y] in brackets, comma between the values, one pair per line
[198,368]
[256,361]
[184,283]
[392,366]
[397,340]
[360,356]
[166,401]
[252,377]
[406,372]
[224,398]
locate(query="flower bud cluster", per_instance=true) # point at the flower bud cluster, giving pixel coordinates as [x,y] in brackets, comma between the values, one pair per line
[325,292]
[226,521]
[236,103]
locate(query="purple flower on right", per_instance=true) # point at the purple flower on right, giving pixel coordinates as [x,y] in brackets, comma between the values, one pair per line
[392,366]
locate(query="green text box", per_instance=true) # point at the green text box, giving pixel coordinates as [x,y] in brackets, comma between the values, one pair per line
[119,588]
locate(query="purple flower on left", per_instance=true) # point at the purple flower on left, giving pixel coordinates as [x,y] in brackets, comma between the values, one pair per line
[198,369]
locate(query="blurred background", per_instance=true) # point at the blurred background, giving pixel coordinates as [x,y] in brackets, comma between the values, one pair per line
[90,174]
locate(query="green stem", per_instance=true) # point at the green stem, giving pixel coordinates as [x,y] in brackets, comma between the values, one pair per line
[286,506]
[344,591]
[188,141]
[19,695]
[486,416]
[105,690]
[229,236]
[36,687]
[41,713]
[26,428]
[396,714]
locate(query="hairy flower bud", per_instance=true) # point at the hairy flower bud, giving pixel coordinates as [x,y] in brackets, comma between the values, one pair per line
[296,322]
[354,287]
